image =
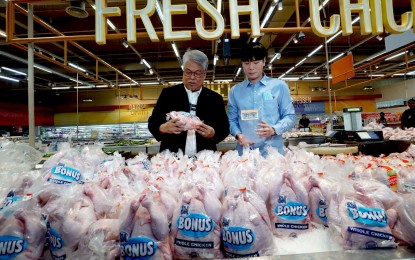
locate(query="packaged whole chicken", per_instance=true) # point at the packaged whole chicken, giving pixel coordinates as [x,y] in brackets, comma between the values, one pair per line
[196,225]
[402,220]
[144,231]
[191,122]
[22,231]
[359,220]
[246,228]
[288,209]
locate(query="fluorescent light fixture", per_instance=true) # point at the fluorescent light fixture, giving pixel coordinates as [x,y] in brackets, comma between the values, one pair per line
[150,83]
[377,75]
[367,88]
[223,80]
[254,40]
[57,88]
[74,80]
[101,86]
[238,71]
[276,56]
[159,11]
[82,87]
[311,78]
[301,62]
[379,37]
[375,55]
[280,7]
[8,78]
[334,36]
[315,50]
[124,85]
[146,63]
[14,71]
[87,99]
[268,15]
[2,33]
[396,55]
[176,52]
[151,71]
[411,73]
[288,71]
[125,43]
[42,68]
[290,78]
[356,20]
[219,6]
[135,82]
[215,59]
[76,67]
[315,72]
[175,82]
[110,24]
[335,58]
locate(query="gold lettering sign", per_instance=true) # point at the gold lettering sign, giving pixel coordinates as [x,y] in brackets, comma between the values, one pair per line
[375,16]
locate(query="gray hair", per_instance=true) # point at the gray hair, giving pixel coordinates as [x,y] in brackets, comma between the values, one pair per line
[197,57]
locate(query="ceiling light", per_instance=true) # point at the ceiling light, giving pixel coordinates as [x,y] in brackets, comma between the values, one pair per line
[61,88]
[76,67]
[141,61]
[238,71]
[8,78]
[276,56]
[82,87]
[379,37]
[411,53]
[215,59]
[396,55]
[2,33]
[150,83]
[41,68]
[146,63]
[101,86]
[125,43]
[87,99]
[315,72]
[311,78]
[367,87]
[335,58]
[315,50]
[110,24]
[77,9]
[376,66]
[291,78]
[295,40]
[268,15]
[378,75]
[280,7]
[270,66]
[176,52]
[14,71]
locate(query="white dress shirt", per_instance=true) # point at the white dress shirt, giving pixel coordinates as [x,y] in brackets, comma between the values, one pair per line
[190,148]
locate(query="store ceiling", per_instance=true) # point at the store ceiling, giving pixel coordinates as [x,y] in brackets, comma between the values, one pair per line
[160,55]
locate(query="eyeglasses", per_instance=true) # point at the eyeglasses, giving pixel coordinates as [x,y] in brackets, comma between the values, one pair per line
[197,73]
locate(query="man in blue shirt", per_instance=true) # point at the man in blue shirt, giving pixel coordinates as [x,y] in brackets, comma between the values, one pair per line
[260,108]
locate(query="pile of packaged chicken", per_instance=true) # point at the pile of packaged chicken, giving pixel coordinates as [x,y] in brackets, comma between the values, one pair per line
[89,205]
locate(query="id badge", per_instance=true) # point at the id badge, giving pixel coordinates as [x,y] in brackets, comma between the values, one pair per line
[249,114]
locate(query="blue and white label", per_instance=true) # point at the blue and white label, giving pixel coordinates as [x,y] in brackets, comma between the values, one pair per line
[11,246]
[292,210]
[195,225]
[321,210]
[238,238]
[10,200]
[370,233]
[138,248]
[368,216]
[66,173]
[55,240]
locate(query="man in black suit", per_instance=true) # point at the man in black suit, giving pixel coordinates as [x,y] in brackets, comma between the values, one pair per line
[191,97]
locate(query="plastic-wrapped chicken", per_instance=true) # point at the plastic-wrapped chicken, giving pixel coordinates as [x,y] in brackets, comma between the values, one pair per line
[65,167]
[22,231]
[144,229]
[190,121]
[402,220]
[288,209]
[246,228]
[359,219]
[195,226]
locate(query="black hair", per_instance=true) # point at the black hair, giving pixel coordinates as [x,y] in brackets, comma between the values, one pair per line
[382,114]
[411,100]
[253,51]
[303,115]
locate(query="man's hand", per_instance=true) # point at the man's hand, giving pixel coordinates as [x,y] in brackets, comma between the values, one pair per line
[265,130]
[205,131]
[243,140]
[173,126]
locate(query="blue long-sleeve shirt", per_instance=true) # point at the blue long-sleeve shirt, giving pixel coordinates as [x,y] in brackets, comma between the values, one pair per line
[271,98]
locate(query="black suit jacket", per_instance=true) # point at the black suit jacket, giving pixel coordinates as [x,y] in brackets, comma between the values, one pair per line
[210,109]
